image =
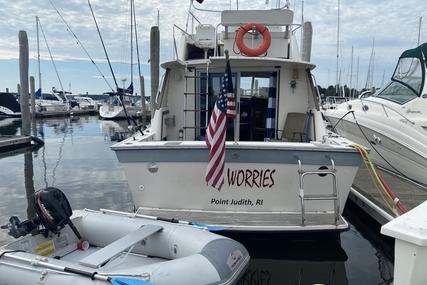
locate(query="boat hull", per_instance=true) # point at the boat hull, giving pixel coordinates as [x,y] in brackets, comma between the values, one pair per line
[260,178]
[177,254]
[117,112]
[394,145]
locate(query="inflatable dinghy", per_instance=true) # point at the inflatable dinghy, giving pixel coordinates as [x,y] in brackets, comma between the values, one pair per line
[110,247]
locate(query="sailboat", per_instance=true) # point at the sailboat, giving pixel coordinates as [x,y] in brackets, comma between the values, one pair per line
[122,103]
[55,103]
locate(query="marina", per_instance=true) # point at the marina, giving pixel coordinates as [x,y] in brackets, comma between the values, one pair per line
[239,168]
[77,159]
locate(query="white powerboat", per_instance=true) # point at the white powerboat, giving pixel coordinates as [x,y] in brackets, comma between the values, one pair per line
[393,121]
[282,172]
[111,247]
[113,109]
[85,103]
[54,103]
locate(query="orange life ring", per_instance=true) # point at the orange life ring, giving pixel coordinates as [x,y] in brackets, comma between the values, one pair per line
[263,30]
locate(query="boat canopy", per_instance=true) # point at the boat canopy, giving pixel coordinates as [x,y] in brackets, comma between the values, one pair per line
[410,69]
[408,79]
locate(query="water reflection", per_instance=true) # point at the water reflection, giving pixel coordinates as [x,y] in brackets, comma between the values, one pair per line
[76,159]
[115,130]
[291,260]
[9,126]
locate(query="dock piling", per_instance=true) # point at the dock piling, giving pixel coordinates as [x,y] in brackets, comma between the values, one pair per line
[23,72]
[154,64]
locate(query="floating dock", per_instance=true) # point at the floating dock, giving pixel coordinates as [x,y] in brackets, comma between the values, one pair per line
[367,197]
[8,143]
[50,114]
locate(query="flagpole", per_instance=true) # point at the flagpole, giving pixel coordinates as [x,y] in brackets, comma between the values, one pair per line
[227,58]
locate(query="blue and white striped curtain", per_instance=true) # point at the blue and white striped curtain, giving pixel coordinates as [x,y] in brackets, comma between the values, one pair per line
[271,109]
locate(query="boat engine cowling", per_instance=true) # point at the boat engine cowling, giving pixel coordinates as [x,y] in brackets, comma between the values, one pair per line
[54,210]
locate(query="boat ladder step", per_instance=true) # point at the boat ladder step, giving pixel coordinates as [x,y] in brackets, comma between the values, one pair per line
[196,76]
[194,93]
[334,196]
[103,255]
[195,110]
[194,88]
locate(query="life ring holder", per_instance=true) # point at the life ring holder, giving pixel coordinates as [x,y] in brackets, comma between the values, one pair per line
[263,30]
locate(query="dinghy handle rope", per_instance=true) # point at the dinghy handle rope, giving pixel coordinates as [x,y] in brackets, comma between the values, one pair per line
[43,262]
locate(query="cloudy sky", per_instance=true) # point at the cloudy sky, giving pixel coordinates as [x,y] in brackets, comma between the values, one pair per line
[393,23]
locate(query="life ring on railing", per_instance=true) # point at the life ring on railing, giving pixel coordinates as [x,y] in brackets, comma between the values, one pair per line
[263,30]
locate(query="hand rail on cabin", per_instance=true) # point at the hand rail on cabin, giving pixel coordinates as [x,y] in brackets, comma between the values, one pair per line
[174,39]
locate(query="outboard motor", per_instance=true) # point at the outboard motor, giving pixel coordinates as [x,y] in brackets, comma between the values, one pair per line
[54,210]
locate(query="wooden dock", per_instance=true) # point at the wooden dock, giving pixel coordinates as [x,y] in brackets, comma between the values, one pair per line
[366,196]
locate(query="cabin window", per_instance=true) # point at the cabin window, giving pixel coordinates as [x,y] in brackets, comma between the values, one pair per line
[254,91]
[214,87]
[257,120]
[397,93]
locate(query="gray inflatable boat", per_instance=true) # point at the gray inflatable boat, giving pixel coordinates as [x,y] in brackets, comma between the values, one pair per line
[111,247]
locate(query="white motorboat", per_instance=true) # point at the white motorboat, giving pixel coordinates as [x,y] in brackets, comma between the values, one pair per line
[9,105]
[113,109]
[85,103]
[283,172]
[392,122]
[53,103]
[111,247]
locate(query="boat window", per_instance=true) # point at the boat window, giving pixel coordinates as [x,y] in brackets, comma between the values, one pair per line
[48,96]
[215,83]
[397,93]
[409,72]
[255,88]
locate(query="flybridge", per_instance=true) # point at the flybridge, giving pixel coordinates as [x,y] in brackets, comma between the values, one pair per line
[246,33]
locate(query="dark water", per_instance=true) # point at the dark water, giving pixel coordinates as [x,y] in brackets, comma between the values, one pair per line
[77,159]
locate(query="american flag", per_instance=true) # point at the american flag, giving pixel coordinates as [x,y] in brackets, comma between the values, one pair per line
[225,106]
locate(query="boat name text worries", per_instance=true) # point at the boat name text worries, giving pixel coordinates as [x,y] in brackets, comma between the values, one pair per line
[252,178]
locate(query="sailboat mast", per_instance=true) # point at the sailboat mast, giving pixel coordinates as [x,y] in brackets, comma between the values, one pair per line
[38,53]
[351,72]
[338,47]
[419,31]
[131,41]
[357,76]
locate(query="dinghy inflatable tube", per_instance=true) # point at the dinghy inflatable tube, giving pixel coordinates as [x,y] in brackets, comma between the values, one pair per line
[125,247]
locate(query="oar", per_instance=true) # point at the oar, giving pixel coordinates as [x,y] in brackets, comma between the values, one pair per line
[173,220]
[92,275]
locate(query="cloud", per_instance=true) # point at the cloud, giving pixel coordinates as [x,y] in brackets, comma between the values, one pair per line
[393,24]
